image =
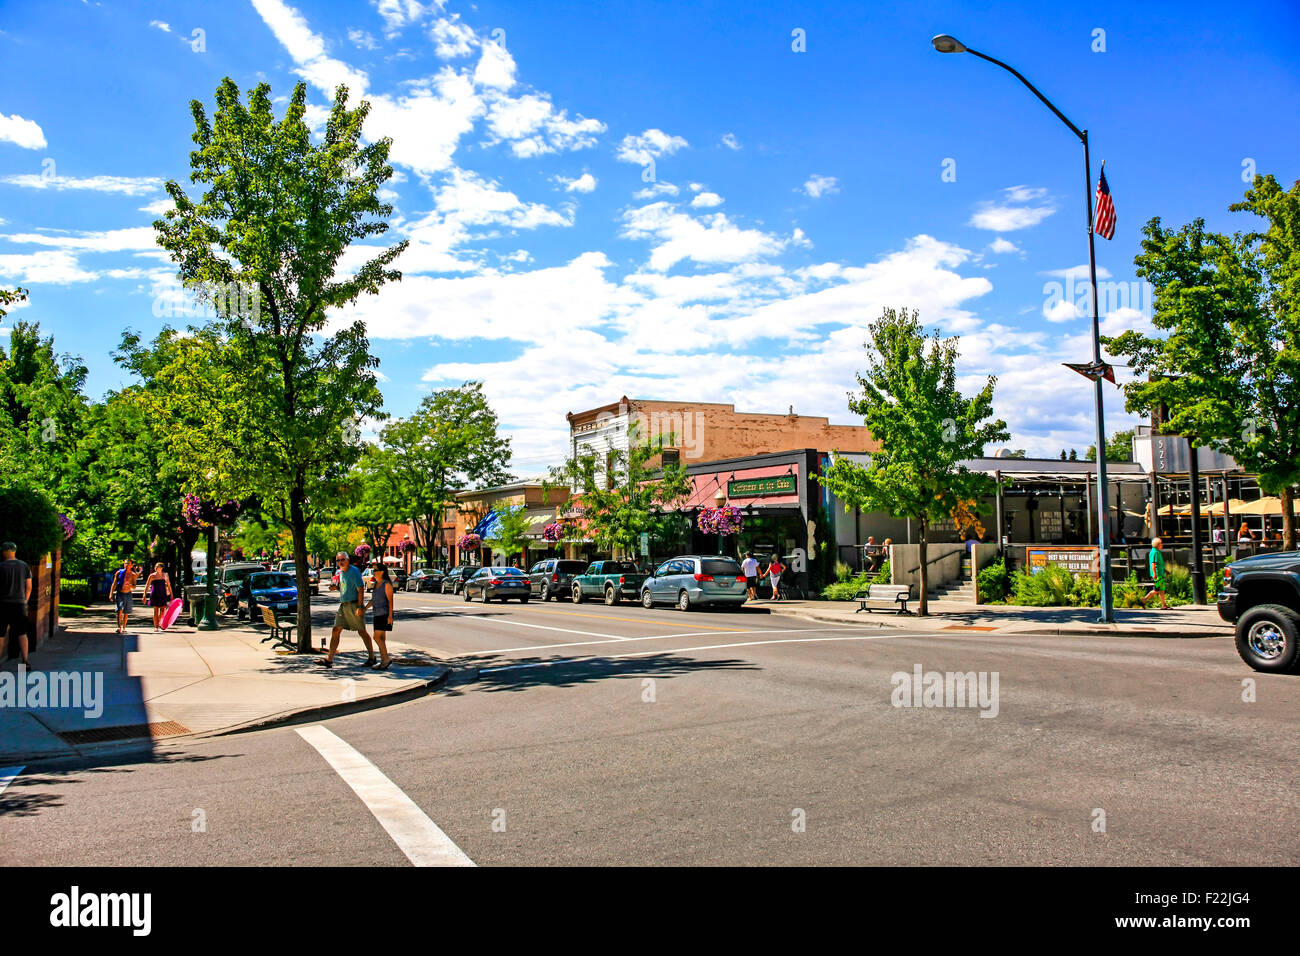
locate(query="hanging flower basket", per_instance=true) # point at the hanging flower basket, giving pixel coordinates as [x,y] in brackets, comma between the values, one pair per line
[552,532]
[362,553]
[725,521]
[69,526]
[201,514]
[468,542]
[407,546]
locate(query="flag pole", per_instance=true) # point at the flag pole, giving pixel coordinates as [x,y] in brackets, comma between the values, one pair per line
[1103,498]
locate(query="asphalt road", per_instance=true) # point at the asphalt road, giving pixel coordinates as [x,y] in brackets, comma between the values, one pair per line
[595,735]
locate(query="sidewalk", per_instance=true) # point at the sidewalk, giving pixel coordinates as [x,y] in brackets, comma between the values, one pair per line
[183,683]
[1186,622]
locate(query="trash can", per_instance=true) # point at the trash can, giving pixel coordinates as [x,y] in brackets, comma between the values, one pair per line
[197,596]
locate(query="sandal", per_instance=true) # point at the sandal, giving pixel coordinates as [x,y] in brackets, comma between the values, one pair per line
[369,662]
[324,662]
[384,666]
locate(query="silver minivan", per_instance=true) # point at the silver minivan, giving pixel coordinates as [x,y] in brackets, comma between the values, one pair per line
[694,580]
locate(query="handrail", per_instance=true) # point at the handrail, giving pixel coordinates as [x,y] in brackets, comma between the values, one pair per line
[933,560]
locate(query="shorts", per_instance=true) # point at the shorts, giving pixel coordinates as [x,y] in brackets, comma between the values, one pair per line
[126,601]
[751,581]
[776,582]
[13,619]
[349,617]
[1158,584]
[381,624]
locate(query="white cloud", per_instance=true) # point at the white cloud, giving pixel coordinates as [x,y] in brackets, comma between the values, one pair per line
[51,267]
[130,186]
[496,67]
[1012,214]
[655,190]
[399,14]
[21,132]
[137,238]
[452,38]
[362,39]
[706,201]
[164,27]
[819,186]
[710,238]
[1062,310]
[582,184]
[651,144]
[729,140]
[1002,246]
[159,207]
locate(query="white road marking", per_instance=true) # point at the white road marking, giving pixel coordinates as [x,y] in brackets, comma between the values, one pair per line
[7,775]
[683,650]
[414,833]
[663,637]
[566,630]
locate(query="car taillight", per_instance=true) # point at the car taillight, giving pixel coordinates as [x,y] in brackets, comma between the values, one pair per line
[704,577]
[555,577]
[741,578]
[622,580]
[494,580]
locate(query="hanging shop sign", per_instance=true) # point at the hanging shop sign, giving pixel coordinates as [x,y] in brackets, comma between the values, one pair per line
[758,487]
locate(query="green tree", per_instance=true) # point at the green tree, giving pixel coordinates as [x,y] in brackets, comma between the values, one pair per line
[1227,367]
[622,493]
[925,426]
[378,503]
[262,246]
[1119,447]
[447,444]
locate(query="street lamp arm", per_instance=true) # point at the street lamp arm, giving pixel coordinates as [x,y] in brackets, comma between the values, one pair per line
[1033,89]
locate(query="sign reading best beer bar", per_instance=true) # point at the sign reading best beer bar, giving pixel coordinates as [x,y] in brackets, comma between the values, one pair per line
[757,487]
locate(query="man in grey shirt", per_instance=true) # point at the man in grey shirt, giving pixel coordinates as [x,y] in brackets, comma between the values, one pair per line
[15,591]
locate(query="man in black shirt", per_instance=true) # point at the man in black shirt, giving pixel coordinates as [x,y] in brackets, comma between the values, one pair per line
[15,591]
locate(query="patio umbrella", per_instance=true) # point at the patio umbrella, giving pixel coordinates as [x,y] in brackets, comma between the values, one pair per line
[1168,510]
[1216,508]
[1264,506]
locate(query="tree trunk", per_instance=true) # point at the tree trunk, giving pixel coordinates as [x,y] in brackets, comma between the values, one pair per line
[298,526]
[1288,518]
[925,574]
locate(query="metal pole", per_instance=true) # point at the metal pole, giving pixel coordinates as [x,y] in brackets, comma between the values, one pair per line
[1198,570]
[1103,535]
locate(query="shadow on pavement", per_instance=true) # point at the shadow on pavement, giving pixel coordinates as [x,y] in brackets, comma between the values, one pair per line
[518,674]
[33,791]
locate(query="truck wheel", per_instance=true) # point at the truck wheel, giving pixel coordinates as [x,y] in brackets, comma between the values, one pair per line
[1268,638]
[546,592]
[611,596]
[577,594]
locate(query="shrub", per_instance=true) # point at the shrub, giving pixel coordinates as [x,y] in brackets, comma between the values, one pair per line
[842,572]
[1178,583]
[74,591]
[71,610]
[1215,584]
[844,590]
[883,575]
[1086,591]
[1129,592]
[994,582]
[1050,587]
[29,520]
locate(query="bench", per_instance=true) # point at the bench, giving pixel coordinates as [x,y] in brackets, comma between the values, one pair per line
[282,631]
[885,596]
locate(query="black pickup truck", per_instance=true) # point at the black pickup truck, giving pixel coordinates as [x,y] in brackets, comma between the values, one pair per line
[1261,595]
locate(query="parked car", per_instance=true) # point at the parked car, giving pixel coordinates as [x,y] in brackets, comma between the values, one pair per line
[425,579]
[611,580]
[694,580]
[232,586]
[276,588]
[313,576]
[497,582]
[553,577]
[456,578]
[1261,595]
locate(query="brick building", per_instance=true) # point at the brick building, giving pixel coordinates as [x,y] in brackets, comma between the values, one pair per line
[706,431]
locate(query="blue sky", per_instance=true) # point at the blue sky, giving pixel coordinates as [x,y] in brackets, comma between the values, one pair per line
[792,194]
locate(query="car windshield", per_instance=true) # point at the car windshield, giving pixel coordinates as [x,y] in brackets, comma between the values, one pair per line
[720,566]
[288,567]
[265,582]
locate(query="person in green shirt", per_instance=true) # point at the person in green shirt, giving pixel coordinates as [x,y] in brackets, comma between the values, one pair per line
[1156,563]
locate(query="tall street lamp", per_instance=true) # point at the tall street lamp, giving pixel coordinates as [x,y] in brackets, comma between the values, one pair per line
[946,44]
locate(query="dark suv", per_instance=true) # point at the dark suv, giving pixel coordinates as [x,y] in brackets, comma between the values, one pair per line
[1261,595]
[553,578]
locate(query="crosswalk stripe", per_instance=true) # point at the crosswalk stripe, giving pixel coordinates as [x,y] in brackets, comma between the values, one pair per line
[411,829]
[7,775]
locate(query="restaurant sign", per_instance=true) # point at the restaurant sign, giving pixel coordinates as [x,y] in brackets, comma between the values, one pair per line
[1076,560]
[757,487]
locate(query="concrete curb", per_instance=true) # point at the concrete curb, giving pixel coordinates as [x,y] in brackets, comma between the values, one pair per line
[940,623]
[282,719]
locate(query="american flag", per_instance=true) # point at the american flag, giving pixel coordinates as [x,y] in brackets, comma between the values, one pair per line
[1105,223]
